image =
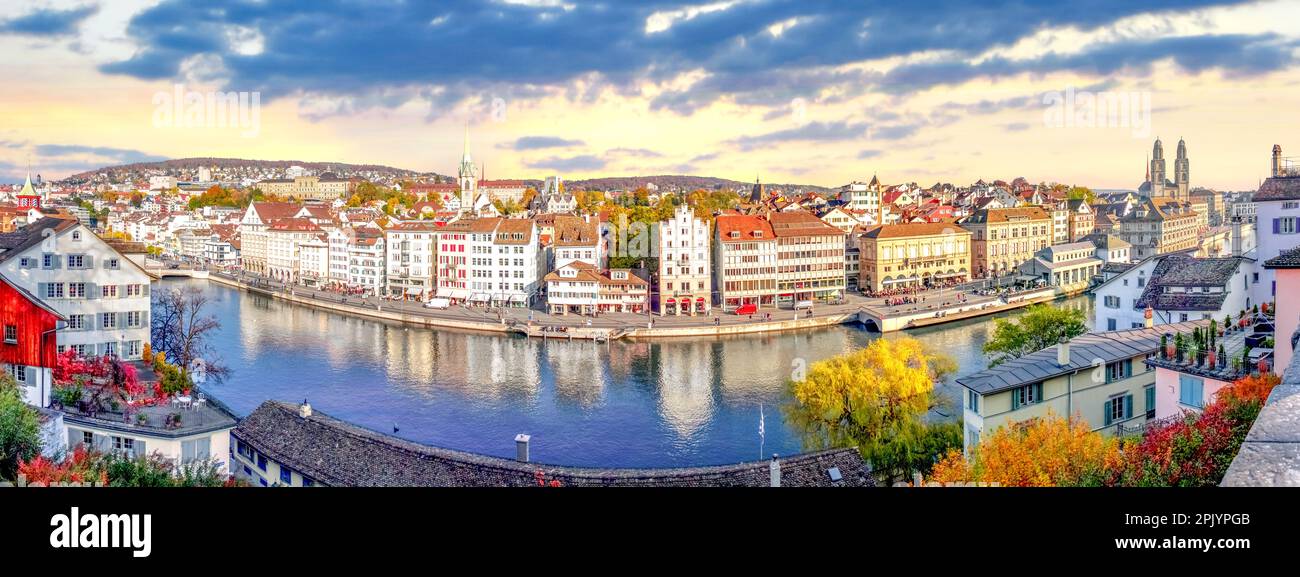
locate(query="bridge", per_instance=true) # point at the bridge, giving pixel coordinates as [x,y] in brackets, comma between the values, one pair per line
[173,270]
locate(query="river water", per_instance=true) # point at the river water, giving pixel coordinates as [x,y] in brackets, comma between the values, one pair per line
[659,403]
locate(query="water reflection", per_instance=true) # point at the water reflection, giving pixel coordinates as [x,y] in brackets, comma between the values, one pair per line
[628,403]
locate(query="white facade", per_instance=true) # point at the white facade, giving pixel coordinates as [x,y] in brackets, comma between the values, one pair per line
[409,247]
[1277,230]
[685,270]
[313,262]
[104,295]
[338,239]
[366,263]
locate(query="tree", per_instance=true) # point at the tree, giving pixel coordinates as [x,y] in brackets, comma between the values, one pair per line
[182,329]
[877,399]
[1041,452]
[1081,192]
[20,429]
[1040,327]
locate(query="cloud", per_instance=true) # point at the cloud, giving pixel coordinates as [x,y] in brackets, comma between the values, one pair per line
[540,142]
[894,131]
[50,22]
[811,132]
[635,152]
[869,154]
[1016,127]
[756,53]
[120,155]
[580,163]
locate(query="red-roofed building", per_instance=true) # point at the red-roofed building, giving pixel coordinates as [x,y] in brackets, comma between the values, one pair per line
[744,261]
[28,348]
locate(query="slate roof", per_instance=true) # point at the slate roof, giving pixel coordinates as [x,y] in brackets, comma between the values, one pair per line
[12,243]
[913,229]
[337,453]
[1109,346]
[1288,259]
[1185,271]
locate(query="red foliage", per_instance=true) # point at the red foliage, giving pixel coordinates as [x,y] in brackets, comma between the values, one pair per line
[78,467]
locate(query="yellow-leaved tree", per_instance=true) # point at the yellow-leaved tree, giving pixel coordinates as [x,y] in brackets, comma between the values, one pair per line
[877,399]
[1041,452]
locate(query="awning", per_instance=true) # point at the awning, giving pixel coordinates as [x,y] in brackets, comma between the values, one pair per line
[452,293]
[949,275]
[518,298]
[480,297]
[671,301]
[414,291]
[699,300]
[908,279]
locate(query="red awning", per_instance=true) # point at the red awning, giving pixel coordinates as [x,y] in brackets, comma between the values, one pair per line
[699,300]
[671,301]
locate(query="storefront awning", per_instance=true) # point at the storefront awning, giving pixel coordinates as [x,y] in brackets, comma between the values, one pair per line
[414,291]
[480,297]
[908,279]
[699,299]
[950,275]
[451,293]
[518,298]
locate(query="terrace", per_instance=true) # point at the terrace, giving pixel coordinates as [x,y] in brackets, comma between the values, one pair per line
[1217,352]
[108,393]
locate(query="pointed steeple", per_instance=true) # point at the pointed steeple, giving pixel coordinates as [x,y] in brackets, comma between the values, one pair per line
[27,187]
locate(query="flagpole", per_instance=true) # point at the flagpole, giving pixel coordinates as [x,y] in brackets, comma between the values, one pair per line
[762,434]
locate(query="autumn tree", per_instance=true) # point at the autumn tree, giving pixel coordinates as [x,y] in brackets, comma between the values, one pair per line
[876,399]
[20,428]
[1040,327]
[1040,452]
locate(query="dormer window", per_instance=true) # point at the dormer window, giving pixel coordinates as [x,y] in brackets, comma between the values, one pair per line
[76,235]
[758,234]
[735,234]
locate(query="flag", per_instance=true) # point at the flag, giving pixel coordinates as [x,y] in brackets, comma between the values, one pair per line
[761,433]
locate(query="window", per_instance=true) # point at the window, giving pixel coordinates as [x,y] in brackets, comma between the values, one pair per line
[286,475]
[1110,324]
[1026,395]
[1119,370]
[77,290]
[196,449]
[108,291]
[134,319]
[1111,301]
[88,439]
[111,263]
[1118,409]
[108,320]
[54,291]
[973,401]
[76,261]
[308,482]
[49,261]
[261,462]
[1182,317]
[76,235]
[1191,391]
[19,372]
[1150,393]
[76,322]
[133,349]
[11,334]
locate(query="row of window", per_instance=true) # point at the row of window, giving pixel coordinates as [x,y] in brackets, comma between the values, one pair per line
[73,261]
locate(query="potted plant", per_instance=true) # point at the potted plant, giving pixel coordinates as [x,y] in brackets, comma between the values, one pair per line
[1222,356]
[1212,358]
[1180,346]
[1164,346]
[141,419]
[1200,356]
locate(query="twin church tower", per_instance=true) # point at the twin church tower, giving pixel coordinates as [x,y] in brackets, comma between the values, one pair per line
[1158,184]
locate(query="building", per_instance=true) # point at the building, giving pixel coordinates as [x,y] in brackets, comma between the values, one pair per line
[1070,267]
[313,261]
[1277,208]
[1082,220]
[1157,183]
[283,237]
[29,345]
[862,197]
[810,258]
[503,190]
[1064,379]
[1190,380]
[104,295]
[326,187]
[366,254]
[582,289]
[1286,272]
[1002,239]
[1159,226]
[578,239]
[252,231]
[411,268]
[1177,288]
[203,432]
[744,261]
[911,255]
[684,282]
[295,445]
[494,260]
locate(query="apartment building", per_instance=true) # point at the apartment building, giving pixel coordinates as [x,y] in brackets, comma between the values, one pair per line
[909,255]
[1159,226]
[685,280]
[366,254]
[410,251]
[490,261]
[1002,239]
[283,237]
[810,258]
[744,261]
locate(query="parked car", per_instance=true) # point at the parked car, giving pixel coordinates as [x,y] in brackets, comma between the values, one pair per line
[437,303]
[746,309]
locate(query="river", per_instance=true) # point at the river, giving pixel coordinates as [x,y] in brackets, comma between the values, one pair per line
[658,403]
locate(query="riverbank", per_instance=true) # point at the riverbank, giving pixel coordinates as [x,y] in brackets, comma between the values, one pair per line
[634,326]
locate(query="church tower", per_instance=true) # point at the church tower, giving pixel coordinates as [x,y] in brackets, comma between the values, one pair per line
[1182,178]
[468,174]
[1158,169]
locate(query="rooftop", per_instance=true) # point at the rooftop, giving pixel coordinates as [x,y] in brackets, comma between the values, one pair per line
[1041,365]
[1270,456]
[338,453]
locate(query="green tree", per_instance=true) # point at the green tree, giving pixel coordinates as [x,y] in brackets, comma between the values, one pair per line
[877,399]
[1081,192]
[20,429]
[1040,327]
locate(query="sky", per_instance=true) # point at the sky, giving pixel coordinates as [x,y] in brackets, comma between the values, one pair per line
[788,91]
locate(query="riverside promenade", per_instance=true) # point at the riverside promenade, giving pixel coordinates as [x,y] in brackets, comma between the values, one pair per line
[933,307]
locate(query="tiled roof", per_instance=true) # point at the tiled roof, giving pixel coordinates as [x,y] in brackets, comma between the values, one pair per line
[801,223]
[1084,349]
[1185,271]
[293,225]
[12,243]
[574,231]
[913,229]
[269,211]
[745,225]
[1279,188]
[336,453]
[1008,214]
[515,231]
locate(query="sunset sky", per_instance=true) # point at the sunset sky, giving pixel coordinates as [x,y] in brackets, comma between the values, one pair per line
[790,91]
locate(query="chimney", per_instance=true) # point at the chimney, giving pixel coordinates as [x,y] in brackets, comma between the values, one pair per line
[775,467]
[521,447]
[1148,317]
[304,410]
[1063,352]
[1277,160]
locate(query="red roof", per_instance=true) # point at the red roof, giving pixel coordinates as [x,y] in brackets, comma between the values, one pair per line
[747,227]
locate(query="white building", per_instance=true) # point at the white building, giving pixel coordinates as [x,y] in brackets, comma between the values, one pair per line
[490,261]
[744,261]
[283,238]
[338,238]
[409,259]
[1277,208]
[1177,288]
[863,197]
[252,229]
[578,239]
[685,280]
[313,261]
[366,260]
[104,295]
